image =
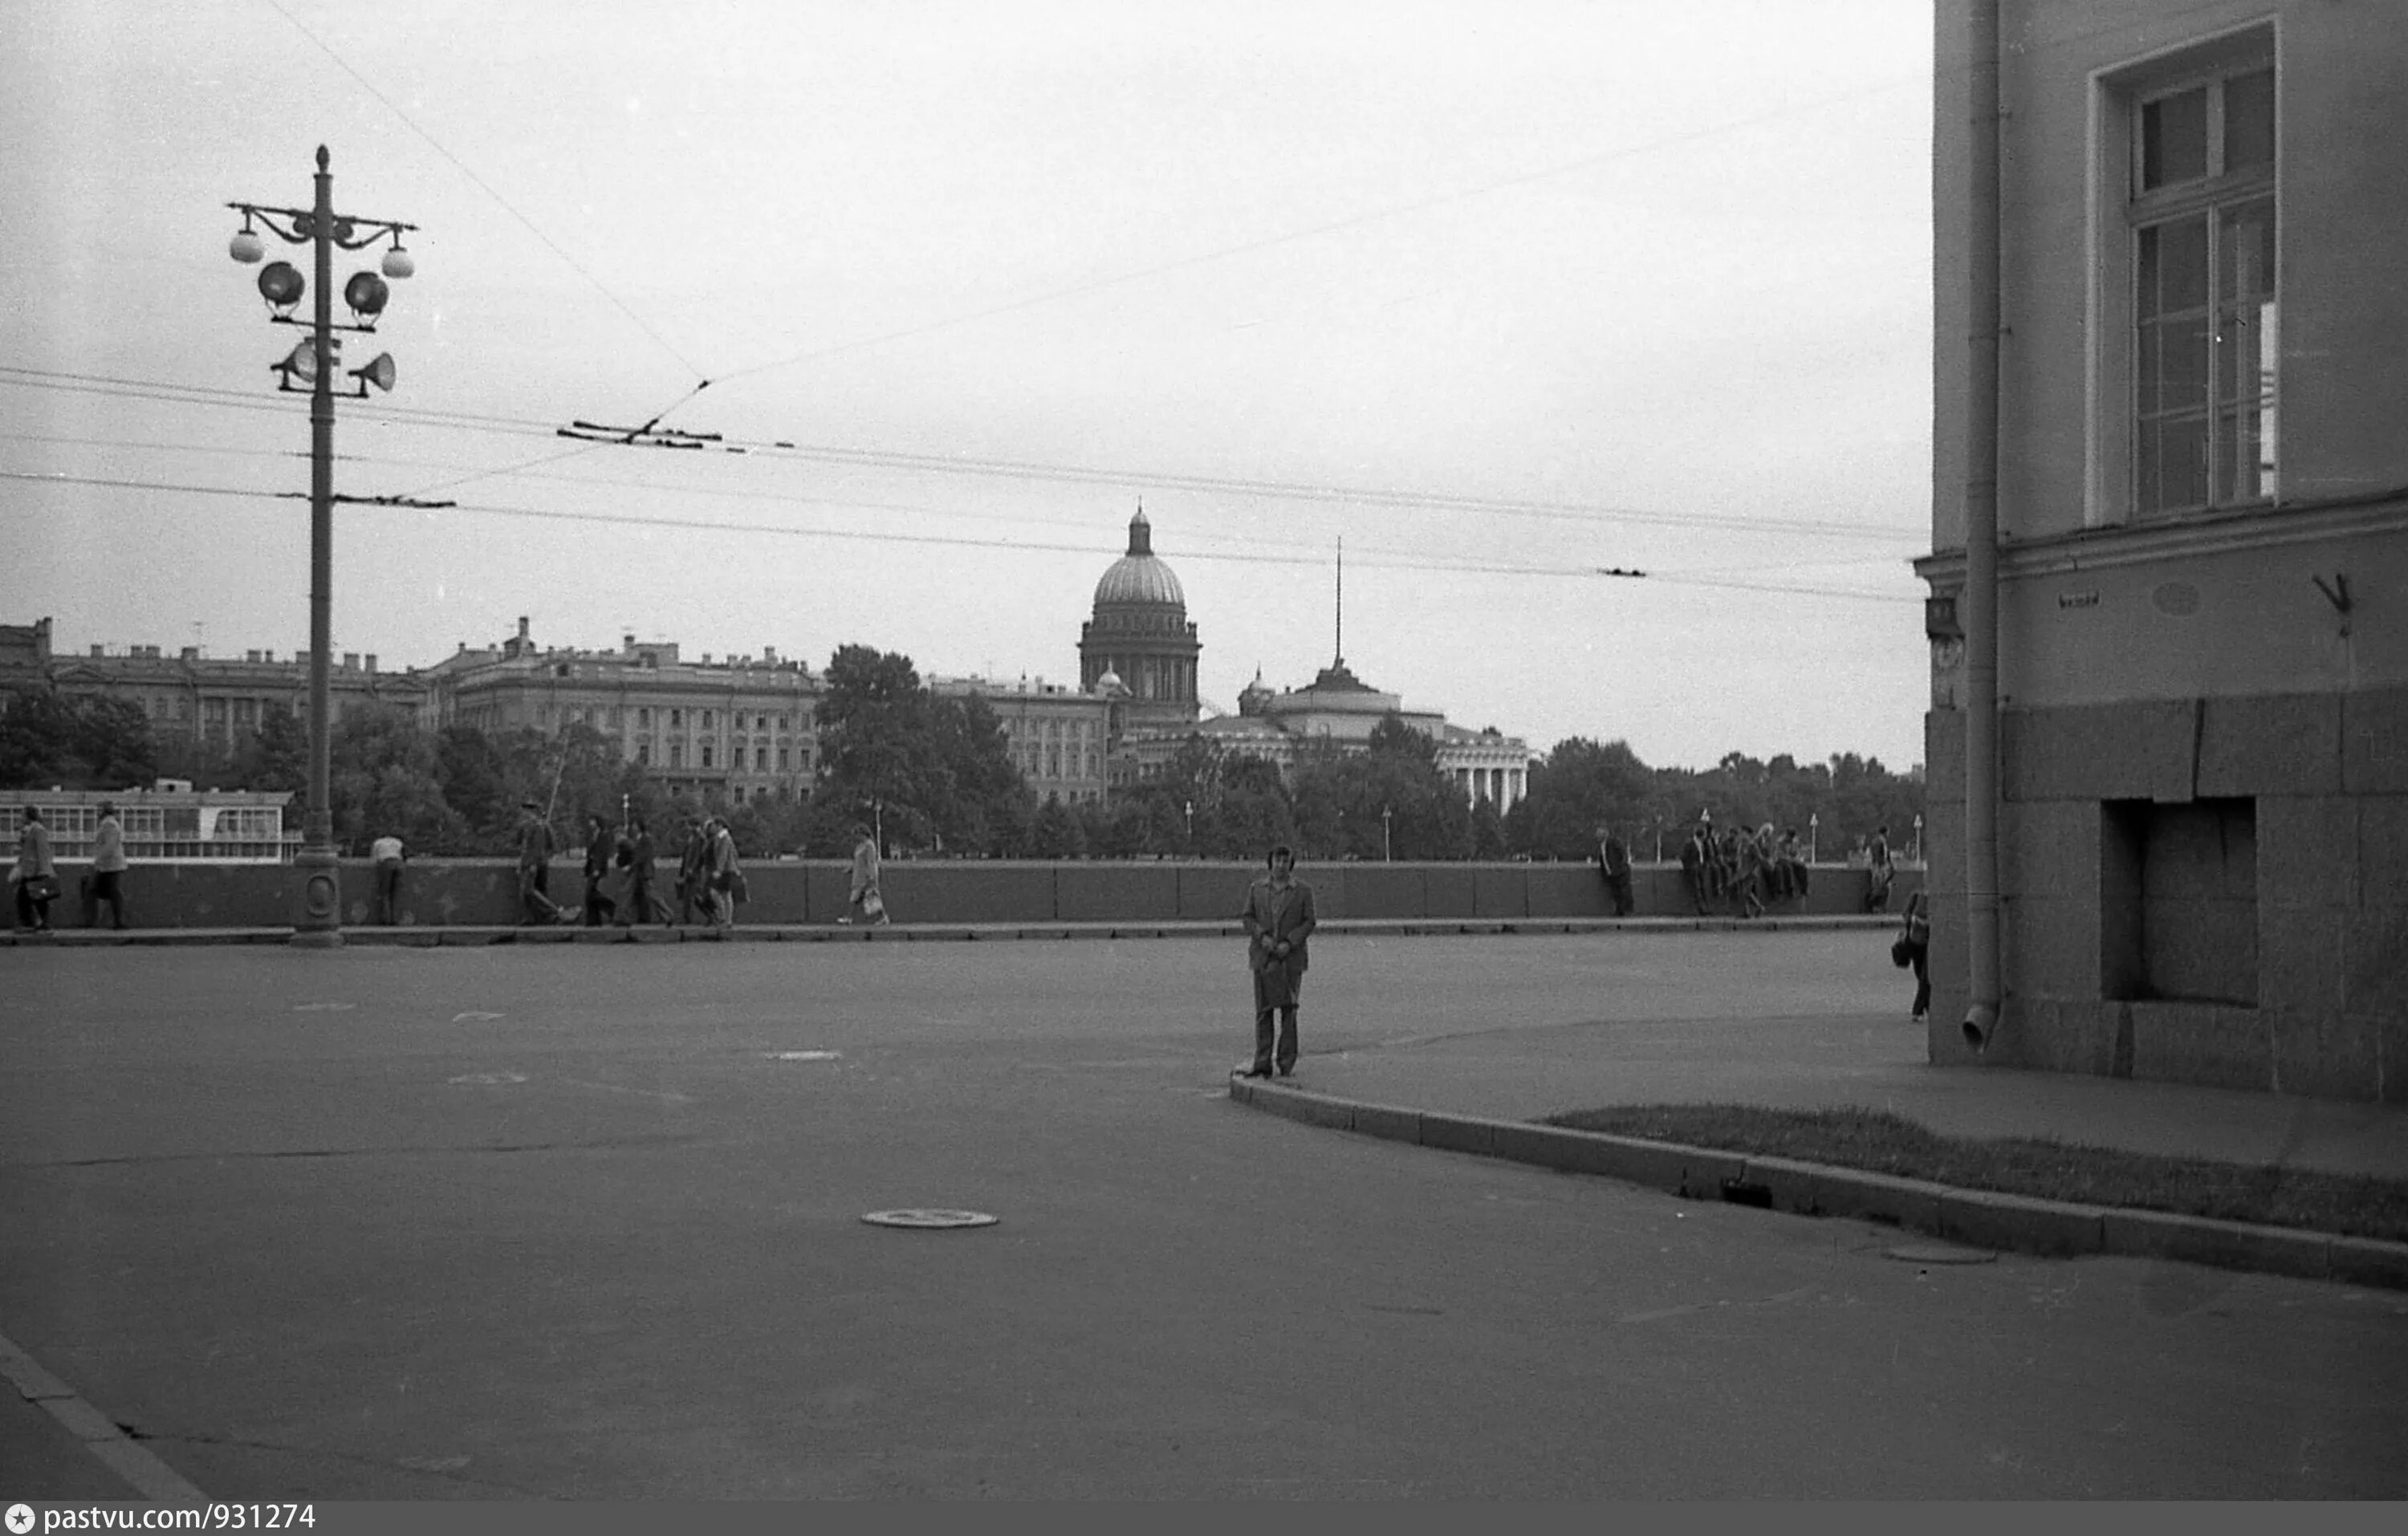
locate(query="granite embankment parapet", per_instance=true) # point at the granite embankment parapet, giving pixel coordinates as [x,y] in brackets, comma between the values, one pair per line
[783,893]
[481,935]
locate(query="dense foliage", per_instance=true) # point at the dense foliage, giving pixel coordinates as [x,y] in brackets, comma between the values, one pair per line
[934,776]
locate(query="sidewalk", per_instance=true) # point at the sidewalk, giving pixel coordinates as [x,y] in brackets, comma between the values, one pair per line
[1481,1091]
[473,934]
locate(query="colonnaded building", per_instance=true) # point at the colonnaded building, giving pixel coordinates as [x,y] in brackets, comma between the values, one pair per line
[2169,578]
[743,727]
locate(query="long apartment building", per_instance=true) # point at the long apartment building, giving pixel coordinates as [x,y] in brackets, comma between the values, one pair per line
[739,728]
[213,700]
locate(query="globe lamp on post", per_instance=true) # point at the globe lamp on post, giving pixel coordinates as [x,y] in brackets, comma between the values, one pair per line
[310,368]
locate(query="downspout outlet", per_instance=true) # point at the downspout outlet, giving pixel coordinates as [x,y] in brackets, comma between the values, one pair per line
[1981,1024]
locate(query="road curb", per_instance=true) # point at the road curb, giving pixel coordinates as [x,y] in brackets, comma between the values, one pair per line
[1975,1217]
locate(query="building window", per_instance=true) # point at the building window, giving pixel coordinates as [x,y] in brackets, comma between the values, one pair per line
[761,759]
[2201,330]
[781,723]
[761,722]
[644,753]
[676,755]
[643,720]
[677,720]
[706,751]
[710,720]
[781,759]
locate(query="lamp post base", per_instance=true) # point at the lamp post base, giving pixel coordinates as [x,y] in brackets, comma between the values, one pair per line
[319,924]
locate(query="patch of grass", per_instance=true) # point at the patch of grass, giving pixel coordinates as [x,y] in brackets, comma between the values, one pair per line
[1882,1142]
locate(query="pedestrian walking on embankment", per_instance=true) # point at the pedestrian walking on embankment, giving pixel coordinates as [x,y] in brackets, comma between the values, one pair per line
[1913,948]
[865,902]
[693,872]
[535,866]
[1279,920]
[636,853]
[1615,855]
[35,877]
[726,877]
[387,853]
[108,869]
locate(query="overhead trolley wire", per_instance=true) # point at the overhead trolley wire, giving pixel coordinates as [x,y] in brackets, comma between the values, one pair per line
[1016,546]
[1084,474]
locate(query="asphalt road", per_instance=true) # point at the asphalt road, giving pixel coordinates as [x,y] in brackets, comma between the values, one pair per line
[572,1221]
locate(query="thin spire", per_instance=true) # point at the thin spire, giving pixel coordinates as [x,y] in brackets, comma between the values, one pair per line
[1342,600]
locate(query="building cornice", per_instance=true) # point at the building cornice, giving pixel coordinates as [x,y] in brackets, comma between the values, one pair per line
[2149,543]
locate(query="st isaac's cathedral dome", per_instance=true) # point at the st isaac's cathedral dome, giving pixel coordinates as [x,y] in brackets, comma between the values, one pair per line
[1140,576]
[1140,637]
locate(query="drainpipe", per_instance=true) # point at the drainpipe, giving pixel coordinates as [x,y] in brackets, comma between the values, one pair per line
[1980,608]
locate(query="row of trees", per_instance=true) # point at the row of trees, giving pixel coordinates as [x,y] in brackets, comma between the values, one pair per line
[935,775]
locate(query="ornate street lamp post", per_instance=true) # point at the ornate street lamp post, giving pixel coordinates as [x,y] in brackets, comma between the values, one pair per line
[1387,852]
[1814,834]
[1918,838]
[310,365]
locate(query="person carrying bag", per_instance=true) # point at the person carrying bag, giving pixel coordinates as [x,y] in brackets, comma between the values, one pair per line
[1913,948]
[35,878]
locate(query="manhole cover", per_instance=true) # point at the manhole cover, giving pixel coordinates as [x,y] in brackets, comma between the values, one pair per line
[1939,1253]
[490,1079]
[929,1218]
[804,1056]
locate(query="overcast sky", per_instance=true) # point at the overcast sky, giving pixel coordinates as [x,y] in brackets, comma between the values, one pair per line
[1499,294]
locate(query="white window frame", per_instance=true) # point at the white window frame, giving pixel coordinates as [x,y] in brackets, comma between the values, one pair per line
[2110,478]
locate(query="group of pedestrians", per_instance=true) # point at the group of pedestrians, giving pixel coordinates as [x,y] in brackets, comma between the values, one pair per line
[33,879]
[619,868]
[1741,869]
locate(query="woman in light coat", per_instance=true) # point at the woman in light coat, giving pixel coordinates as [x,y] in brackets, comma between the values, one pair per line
[867,902]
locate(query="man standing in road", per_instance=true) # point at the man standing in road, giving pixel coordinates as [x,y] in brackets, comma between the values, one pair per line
[1616,858]
[108,869]
[1279,919]
[386,852]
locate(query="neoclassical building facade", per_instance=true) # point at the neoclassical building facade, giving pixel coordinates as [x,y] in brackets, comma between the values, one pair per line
[740,728]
